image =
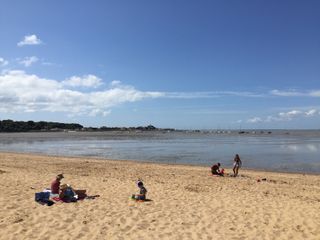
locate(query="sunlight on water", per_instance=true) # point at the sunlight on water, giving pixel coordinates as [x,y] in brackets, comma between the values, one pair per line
[277,152]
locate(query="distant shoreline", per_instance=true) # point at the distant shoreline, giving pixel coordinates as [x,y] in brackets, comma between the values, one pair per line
[132,132]
[8,126]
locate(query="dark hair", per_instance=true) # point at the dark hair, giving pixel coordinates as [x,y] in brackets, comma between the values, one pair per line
[140,184]
[218,164]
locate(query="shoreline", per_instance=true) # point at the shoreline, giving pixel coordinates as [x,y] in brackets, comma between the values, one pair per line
[187,202]
[158,163]
[286,153]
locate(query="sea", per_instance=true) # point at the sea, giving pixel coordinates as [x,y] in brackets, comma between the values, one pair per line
[271,150]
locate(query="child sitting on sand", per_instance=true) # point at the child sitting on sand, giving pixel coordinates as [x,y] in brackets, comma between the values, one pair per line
[215,170]
[142,192]
[67,193]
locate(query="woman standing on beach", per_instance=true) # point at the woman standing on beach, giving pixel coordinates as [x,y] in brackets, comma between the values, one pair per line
[237,163]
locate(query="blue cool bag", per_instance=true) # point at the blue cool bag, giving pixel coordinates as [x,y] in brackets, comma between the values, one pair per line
[42,196]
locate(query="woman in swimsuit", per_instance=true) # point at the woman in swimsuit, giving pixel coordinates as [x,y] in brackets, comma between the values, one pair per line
[236,165]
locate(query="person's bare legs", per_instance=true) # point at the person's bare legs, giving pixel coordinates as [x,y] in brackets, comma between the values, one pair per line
[235,170]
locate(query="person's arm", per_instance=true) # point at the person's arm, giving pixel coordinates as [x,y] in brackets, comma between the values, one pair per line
[61,194]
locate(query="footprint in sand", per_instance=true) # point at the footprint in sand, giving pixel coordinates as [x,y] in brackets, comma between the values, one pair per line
[122,220]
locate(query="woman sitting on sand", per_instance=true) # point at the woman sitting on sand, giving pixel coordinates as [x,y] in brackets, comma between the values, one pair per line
[236,165]
[55,185]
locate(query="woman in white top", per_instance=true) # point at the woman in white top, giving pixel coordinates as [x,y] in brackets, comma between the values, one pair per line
[237,163]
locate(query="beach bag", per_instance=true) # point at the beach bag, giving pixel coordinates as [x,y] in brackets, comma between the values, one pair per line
[42,196]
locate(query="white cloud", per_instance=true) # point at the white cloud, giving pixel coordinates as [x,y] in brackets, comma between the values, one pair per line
[315,93]
[311,112]
[285,116]
[290,93]
[255,120]
[240,94]
[97,112]
[115,83]
[211,94]
[28,61]
[294,93]
[29,40]
[47,63]
[3,62]
[84,81]
[289,115]
[22,92]
[272,119]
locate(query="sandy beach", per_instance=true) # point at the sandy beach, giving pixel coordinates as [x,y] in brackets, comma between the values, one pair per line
[186,202]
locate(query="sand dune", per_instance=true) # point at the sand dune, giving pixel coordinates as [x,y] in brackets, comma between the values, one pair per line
[187,203]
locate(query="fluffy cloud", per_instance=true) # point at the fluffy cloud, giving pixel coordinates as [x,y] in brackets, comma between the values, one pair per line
[29,40]
[255,120]
[285,116]
[28,61]
[22,92]
[311,113]
[289,115]
[3,62]
[84,81]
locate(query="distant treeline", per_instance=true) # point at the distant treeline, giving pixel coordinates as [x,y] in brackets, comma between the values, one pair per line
[31,126]
[21,126]
[104,128]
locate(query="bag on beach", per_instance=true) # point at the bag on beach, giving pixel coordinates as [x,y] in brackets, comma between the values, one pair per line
[41,196]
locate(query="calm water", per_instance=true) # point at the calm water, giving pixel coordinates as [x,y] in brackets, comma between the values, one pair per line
[294,151]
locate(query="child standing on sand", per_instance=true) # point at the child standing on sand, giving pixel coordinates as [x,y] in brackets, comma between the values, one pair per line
[237,163]
[142,192]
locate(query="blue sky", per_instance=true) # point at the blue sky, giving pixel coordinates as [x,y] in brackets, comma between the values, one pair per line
[181,64]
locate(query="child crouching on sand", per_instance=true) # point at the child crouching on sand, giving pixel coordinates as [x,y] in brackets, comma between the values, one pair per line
[215,170]
[142,192]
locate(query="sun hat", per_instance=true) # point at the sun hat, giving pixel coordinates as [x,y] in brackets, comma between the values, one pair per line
[60,175]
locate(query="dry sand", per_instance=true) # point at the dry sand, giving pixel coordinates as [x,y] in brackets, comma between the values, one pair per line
[187,203]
